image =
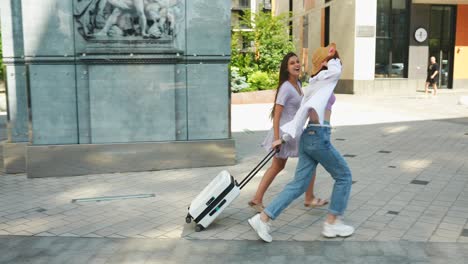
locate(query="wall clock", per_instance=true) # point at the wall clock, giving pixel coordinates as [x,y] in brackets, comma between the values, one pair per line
[420,35]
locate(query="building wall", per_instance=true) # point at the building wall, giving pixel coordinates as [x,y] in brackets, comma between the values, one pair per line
[307,26]
[308,38]
[364,81]
[460,73]
[313,33]
[364,42]
[342,32]
[279,6]
[348,21]
[418,52]
[439,2]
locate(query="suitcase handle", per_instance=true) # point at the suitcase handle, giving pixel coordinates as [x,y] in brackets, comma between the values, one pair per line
[257,168]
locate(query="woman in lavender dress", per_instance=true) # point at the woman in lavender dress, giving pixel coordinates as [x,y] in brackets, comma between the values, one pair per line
[287,101]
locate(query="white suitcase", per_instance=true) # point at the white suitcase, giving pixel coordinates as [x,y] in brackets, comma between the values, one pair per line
[218,195]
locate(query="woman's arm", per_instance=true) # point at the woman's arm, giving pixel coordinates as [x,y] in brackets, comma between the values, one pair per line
[327,115]
[333,70]
[276,123]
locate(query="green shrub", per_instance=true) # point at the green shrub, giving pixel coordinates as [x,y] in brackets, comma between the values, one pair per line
[259,80]
[260,62]
[273,77]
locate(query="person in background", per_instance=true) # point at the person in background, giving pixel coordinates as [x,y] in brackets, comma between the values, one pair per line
[432,75]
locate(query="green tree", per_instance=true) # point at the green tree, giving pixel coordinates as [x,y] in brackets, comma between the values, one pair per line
[272,40]
[270,36]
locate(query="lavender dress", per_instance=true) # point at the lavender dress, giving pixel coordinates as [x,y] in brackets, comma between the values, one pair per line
[290,99]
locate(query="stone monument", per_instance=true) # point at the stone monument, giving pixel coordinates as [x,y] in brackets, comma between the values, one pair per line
[100,86]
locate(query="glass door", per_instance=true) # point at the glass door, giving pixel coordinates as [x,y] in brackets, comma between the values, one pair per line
[441,41]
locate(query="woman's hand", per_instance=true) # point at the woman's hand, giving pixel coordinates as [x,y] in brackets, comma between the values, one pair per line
[324,63]
[332,54]
[276,144]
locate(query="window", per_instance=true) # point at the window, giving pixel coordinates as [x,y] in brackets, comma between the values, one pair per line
[391,51]
[326,30]
[305,30]
[246,44]
[266,5]
[244,3]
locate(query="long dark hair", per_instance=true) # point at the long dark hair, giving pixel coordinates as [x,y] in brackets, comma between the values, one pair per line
[283,77]
[336,56]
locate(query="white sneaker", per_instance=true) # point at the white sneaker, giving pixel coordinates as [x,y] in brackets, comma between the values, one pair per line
[262,228]
[337,229]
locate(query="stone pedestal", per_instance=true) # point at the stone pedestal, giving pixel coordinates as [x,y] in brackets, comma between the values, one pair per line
[14,157]
[87,77]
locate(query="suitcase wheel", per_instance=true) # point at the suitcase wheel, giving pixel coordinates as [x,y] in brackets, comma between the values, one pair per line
[199,228]
[188,219]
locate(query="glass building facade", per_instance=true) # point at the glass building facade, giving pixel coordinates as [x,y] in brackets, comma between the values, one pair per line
[377,41]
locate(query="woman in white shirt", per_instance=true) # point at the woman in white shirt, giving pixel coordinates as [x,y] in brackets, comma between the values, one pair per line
[314,147]
[287,101]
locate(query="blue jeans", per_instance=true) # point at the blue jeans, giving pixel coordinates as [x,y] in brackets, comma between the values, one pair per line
[314,148]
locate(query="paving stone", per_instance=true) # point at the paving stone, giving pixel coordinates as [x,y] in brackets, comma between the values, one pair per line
[454,220]
[416,237]
[291,230]
[429,220]
[4,233]
[227,235]
[464,232]
[309,234]
[459,214]
[373,225]
[421,229]
[452,227]
[386,237]
[436,238]
[447,233]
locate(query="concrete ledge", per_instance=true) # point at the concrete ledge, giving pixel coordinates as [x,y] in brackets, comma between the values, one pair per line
[257,97]
[72,160]
[345,87]
[14,157]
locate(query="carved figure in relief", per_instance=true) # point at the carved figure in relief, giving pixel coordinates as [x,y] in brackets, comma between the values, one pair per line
[121,18]
[121,6]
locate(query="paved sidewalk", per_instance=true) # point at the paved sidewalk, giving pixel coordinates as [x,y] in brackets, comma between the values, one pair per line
[52,250]
[409,161]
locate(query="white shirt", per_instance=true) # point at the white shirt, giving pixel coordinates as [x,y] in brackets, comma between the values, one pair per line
[316,96]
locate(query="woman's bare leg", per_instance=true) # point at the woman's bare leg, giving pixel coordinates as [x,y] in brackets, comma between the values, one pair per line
[309,195]
[276,167]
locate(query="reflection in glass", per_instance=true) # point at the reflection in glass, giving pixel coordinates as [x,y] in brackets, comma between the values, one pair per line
[441,38]
[391,55]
